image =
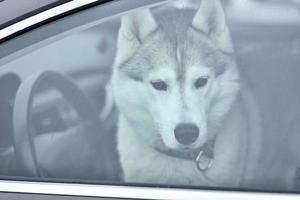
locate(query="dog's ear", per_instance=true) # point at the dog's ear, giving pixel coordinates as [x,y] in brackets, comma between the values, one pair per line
[134,30]
[210,19]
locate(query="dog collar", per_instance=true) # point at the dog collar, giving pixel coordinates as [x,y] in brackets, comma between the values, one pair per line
[203,157]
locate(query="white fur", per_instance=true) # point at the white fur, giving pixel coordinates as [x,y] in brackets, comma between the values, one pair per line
[148,117]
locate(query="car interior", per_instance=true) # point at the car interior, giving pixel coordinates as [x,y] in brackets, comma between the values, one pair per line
[58,119]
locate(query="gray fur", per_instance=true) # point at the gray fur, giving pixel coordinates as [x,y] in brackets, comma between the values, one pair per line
[177,48]
[175,35]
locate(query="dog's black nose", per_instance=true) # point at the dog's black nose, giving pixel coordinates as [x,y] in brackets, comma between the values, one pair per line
[186,133]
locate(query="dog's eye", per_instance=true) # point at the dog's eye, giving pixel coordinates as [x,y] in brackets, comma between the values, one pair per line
[201,82]
[159,85]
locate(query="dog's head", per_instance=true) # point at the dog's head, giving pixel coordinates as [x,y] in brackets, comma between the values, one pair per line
[175,77]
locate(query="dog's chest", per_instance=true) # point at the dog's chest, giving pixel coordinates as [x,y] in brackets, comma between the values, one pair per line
[161,169]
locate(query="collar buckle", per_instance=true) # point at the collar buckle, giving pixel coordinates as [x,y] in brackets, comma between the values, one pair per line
[203,163]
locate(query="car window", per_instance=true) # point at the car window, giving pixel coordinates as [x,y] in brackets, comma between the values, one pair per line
[188,94]
[14,11]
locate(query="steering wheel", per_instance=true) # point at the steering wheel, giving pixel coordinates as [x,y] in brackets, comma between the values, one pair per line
[22,115]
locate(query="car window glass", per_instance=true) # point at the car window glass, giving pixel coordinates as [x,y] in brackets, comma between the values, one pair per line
[201,94]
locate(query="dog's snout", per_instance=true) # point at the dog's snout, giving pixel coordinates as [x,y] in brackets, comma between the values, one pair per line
[186,133]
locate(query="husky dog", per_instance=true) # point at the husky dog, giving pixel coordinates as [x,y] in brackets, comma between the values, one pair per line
[185,117]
